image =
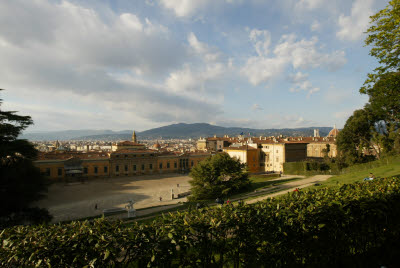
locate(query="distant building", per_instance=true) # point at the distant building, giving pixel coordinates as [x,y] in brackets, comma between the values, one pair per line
[130,158]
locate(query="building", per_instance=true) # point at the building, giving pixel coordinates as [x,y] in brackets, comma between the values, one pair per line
[247,155]
[129,159]
[214,144]
[267,154]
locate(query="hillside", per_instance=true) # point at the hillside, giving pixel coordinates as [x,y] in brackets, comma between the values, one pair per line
[174,131]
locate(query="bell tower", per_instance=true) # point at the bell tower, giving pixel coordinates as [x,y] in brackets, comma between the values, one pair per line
[134,137]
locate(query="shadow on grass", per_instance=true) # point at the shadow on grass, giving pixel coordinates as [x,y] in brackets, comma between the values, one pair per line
[256,185]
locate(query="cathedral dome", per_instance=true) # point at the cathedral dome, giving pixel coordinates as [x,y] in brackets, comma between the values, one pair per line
[334,132]
[157,146]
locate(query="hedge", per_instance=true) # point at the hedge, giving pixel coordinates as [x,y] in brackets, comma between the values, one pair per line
[310,168]
[356,225]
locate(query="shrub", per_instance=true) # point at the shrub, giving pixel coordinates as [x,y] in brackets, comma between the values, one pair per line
[356,225]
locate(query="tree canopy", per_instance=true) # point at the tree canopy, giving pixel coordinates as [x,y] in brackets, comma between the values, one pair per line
[384,37]
[20,181]
[218,176]
[376,127]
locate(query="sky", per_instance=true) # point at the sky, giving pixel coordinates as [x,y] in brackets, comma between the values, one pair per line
[130,64]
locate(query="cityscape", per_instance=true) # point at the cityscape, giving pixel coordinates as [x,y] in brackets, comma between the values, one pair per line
[199,133]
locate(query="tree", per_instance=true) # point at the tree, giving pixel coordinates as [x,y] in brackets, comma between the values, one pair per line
[355,140]
[383,86]
[384,36]
[20,181]
[217,176]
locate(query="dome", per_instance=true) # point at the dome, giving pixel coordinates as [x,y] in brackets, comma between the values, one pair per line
[334,132]
[157,146]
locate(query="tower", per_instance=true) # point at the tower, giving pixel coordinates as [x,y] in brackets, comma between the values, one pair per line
[316,132]
[134,137]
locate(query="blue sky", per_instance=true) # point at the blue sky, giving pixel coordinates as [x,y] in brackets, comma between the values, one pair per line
[123,64]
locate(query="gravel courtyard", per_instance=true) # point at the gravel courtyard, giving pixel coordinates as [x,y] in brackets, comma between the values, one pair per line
[77,200]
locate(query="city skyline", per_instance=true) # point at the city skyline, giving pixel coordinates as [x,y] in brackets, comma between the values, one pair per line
[118,65]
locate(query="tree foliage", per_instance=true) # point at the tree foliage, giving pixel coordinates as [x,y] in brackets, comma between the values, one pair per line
[20,181]
[217,176]
[354,141]
[384,37]
[377,125]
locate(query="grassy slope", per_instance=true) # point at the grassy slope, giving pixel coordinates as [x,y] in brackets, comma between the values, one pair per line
[382,168]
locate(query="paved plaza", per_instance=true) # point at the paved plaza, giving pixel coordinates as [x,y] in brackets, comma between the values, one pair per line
[77,200]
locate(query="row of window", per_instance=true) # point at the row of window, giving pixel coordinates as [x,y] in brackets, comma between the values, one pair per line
[85,171]
[132,155]
[183,163]
[160,166]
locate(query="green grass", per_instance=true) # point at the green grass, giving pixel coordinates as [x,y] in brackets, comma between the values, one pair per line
[388,167]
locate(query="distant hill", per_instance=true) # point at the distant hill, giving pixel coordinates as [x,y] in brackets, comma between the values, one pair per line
[70,134]
[174,131]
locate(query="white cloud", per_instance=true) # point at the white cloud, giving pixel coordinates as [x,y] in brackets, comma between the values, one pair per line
[202,49]
[315,26]
[300,54]
[261,40]
[310,4]
[256,107]
[351,28]
[63,48]
[187,8]
[301,83]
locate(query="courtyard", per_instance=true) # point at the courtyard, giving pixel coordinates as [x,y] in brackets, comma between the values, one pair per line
[78,200]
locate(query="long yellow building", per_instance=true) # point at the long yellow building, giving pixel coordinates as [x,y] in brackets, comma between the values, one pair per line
[130,159]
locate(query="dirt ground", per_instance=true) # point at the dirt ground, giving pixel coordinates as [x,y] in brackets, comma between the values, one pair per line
[77,200]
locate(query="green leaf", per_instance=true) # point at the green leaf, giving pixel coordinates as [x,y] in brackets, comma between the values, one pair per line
[107,253]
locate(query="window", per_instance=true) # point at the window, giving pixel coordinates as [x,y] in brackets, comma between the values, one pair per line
[276,151]
[59,172]
[175,165]
[142,166]
[134,167]
[160,166]
[126,168]
[167,164]
[126,156]
[151,166]
[105,169]
[116,168]
[117,155]
[191,163]
[95,170]
[277,159]
[47,171]
[85,170]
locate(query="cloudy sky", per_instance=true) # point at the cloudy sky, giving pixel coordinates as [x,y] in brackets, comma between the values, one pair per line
[139,64]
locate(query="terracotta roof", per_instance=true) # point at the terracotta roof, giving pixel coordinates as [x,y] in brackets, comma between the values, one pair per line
[129,143]
[127,151]
[68,155]
[334,132]
[218,139]
[241,148]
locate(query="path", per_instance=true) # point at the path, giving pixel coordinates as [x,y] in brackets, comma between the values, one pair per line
[290,187]
[276,190]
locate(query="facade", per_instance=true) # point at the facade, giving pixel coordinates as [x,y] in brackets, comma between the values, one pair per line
[129,159]
[214,144]
[247,155]
[62,165]
[262,155]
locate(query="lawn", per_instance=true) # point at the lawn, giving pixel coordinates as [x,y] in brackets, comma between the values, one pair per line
[389,167]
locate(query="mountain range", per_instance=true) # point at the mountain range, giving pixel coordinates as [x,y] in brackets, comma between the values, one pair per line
[174,131]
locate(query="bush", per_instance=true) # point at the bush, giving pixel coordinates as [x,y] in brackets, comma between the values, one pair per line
[356,225]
